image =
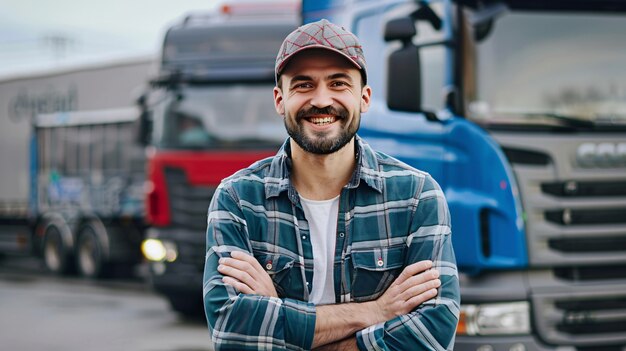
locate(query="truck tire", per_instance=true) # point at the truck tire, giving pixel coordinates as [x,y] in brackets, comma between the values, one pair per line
[90,260]
[56,254]
[187,305]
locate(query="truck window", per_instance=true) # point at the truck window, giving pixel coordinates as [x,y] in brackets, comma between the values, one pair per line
[219,116]
[562,64]
[203,44]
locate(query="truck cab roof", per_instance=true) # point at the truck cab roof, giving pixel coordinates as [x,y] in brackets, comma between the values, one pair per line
[214,48]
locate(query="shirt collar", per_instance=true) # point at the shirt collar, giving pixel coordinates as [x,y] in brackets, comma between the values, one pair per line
[280,170]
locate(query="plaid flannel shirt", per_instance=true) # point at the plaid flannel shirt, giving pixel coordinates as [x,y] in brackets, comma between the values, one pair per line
[390,215]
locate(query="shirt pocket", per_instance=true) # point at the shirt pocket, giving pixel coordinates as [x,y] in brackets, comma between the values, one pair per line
[280,268]
[373,271]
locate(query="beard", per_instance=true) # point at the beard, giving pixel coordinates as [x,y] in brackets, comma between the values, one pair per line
[321,143]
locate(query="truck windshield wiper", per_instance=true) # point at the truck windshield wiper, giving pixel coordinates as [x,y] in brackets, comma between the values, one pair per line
[565,120]
[598,123]
[555,121]
[613,120]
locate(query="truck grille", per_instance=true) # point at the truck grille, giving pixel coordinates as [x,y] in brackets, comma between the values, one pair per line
[599,244]
[585,189]
[577,217]
[576,236]
[192,253]
[590,273]
[188,203]
[584,319]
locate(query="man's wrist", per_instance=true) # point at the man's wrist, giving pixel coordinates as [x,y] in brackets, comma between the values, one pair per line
[348,344]
[340,321]
[375,313]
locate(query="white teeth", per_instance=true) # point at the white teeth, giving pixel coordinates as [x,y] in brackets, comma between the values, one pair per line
[322,121]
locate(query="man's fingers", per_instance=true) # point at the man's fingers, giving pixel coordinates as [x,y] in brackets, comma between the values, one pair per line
[239,255]
[245,257]
[229,268]
[418,267]
[412,270]
[246,269]
[243,262]
[418,289]
[420,278]
[421,298]
[239,286]
[238,264]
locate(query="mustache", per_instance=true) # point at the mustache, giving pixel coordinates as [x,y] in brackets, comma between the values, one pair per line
[328,110]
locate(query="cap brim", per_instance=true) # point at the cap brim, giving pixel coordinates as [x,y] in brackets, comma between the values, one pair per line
[280,67]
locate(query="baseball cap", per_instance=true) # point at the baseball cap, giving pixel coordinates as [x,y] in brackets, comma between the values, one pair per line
[321,35]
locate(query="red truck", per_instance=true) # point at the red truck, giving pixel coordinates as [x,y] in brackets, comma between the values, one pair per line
[208,114]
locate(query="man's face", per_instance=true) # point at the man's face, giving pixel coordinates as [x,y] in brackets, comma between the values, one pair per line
[321,98]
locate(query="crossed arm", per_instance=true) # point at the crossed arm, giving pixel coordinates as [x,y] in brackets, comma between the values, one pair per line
[336,324]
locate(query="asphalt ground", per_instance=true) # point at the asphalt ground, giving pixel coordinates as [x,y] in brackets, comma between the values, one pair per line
[43,312]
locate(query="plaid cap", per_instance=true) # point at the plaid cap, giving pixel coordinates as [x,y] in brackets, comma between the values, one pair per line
[321,35]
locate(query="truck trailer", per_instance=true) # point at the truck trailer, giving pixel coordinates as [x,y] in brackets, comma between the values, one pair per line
[66,139]
[518,110]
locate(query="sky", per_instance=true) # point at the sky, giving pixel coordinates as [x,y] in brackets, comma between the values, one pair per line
[44,34]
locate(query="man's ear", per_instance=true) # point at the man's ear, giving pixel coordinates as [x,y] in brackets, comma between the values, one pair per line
[278,101]
[366,98]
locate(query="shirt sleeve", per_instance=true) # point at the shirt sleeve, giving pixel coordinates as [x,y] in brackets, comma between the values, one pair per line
[241,321]
[432,325]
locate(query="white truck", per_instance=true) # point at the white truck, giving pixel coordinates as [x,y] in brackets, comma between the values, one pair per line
[55,102]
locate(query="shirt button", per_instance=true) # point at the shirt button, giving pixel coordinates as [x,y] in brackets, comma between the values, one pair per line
[307,283]
[342,234]
[304,237]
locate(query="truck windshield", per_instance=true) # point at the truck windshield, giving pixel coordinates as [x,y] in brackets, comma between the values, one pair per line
[535,66]
[231,116]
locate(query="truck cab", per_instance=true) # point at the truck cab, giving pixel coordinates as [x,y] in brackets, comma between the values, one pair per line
[209,113]
[518,110]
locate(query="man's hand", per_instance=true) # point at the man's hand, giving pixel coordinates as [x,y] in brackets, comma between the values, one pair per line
[244,273]
[415,285]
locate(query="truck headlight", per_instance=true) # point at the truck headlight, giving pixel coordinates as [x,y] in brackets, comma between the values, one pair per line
[159,251]
[512,318]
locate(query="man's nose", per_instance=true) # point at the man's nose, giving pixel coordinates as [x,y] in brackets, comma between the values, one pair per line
[321,97]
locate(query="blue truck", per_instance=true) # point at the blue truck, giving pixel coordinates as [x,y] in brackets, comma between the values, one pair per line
[518,109]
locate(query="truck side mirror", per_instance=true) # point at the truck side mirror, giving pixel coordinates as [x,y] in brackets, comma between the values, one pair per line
[403,67]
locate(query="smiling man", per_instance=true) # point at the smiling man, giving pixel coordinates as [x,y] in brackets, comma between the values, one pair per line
[328,245]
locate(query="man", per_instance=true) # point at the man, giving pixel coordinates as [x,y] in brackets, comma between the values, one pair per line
[328,245]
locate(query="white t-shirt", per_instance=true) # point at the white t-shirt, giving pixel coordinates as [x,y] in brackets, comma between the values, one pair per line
[322,218]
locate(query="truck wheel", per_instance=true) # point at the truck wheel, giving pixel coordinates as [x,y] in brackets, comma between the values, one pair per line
[89,257]
[186,305]
[55,253]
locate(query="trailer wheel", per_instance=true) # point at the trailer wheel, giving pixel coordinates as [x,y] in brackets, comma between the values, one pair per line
[89,256]
[56,255]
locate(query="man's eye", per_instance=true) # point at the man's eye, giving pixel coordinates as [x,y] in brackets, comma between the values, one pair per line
[339,84]
[303,86]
